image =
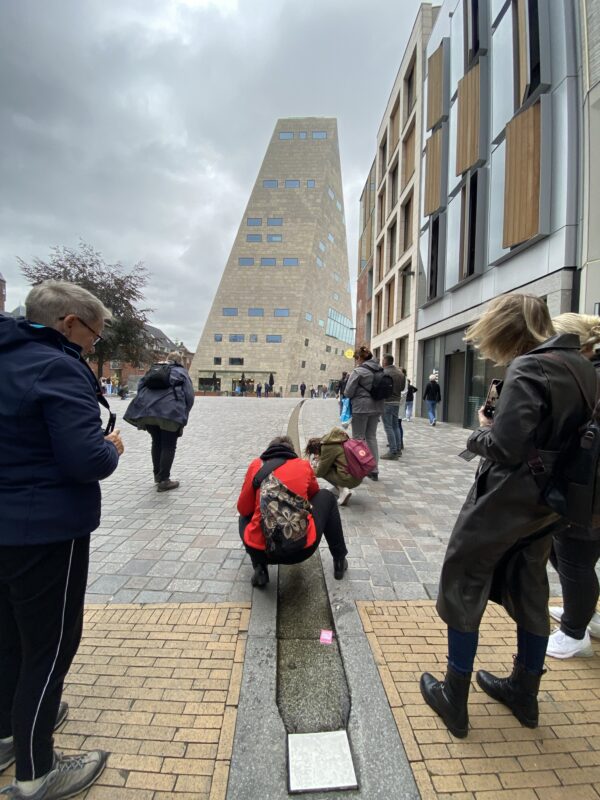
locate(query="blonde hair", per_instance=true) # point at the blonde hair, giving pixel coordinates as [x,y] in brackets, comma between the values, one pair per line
[586,326]
[511,325]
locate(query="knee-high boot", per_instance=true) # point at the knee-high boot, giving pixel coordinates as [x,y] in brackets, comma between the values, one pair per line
[519,692]
[448,698]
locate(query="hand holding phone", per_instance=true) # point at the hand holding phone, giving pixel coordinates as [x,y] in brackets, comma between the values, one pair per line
[493,394]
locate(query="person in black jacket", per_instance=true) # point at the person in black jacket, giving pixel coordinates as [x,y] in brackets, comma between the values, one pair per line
[410,399]
[53,453]
[432,396]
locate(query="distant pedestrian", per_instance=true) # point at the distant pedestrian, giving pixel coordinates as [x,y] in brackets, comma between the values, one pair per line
[162,405]
[410,399]
[366,411]
[313,393]
[266,388]
[432,396]
[302,389]
[258,389]
[330,463]
[391,409]
[341,388]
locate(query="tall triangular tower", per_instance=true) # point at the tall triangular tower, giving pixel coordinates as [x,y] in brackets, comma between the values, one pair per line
[283,305]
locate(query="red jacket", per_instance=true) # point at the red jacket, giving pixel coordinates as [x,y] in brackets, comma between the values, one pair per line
[297,475]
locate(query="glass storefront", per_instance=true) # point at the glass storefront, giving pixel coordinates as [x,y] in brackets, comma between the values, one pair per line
[480,373]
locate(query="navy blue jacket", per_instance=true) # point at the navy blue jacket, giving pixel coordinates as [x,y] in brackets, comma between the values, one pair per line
[52,446]
[167,408]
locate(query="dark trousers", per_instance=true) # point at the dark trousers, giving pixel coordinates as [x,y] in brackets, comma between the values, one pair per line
[164,444]
[575,561]
[401,430]
[326,515]
[462,647]
[42,590]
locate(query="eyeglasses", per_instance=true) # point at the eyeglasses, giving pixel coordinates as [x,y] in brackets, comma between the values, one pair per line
[97,339]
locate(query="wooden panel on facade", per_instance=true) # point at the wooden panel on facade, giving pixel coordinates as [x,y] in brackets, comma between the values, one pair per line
[408,156]
[467,138]
[435,87]
[522,177]
[433,172]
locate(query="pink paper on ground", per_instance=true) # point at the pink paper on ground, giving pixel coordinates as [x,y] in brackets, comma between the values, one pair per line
[326,637]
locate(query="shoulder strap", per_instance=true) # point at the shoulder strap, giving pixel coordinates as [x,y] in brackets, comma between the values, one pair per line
[267,468]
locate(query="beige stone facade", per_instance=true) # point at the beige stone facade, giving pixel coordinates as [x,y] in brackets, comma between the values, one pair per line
[283,305]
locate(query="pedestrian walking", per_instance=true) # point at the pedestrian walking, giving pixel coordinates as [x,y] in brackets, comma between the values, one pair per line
[341,388]
[575,551]
[432,396]
[258,389]
[366,411]
[161,406]
[391,409]
[53,453]
[499,547]
[266,388]
[315,512]
[313,393]
[302,389]
[329,462]
[410,399]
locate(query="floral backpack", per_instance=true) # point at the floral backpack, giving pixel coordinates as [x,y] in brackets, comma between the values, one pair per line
[284,514]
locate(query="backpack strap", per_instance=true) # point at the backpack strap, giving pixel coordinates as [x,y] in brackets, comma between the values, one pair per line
[267,468]
[591,405]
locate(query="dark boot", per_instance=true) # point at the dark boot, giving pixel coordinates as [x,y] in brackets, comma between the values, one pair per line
[519,692]
[261,576]
[448,698]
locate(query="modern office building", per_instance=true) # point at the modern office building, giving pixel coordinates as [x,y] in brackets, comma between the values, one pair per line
[501,203]
[283,306]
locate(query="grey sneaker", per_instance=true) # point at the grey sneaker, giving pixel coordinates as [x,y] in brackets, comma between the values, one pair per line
[69,776]
[7,752]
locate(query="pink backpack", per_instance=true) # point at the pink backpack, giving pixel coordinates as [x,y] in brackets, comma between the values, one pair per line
[359,457]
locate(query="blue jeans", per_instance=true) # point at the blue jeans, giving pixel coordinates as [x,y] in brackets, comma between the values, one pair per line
[431,404]
[409,409]
[401,433]
[390,424]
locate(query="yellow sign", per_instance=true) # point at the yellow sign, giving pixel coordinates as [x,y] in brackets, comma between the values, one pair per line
[349,353]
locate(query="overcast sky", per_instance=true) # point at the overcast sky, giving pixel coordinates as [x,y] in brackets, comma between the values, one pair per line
[139,125]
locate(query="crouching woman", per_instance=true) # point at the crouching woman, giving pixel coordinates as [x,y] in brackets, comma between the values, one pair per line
[322,518]
[331,463]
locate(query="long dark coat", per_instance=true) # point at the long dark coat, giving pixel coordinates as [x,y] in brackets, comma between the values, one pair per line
[500,545]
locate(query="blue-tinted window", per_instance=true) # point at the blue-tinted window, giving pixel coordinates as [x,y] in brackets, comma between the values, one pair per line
[322,323]
[308,316]
[310,184]
[330,237]
[339,205]
[336,277]
[319,134]
[320,262]
[302,135]
[256,312]
[322,247]
[254,221]
[335,296]
[253,337]
[275,221]
[268,262]
[274,237]
[286,135]
[292,184]
[281,312]
[230,312]
[218,337]
[236,337]
[270,184]
[254,237]
[330,192]
[274,338]
[290,262]
[246,262]
[339,326]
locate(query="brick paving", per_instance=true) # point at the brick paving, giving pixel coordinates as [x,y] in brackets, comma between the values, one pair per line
[158,687]
[500,758]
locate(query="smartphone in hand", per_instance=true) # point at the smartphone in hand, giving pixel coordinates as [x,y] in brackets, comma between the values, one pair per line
[493,394]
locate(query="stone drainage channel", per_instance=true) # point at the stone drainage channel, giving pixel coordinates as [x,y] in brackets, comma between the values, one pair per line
[313,718]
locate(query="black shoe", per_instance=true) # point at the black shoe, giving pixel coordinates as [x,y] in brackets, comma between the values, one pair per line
[261,576]
[448,698]
[340,565]
[519,692]
[373,475]
[166,486]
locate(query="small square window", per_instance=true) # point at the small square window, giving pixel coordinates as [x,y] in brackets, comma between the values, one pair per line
[216,361]
[308,316]
[323,367]
[254,222]
[320,262]
[270,184]
[335,296]
[294,387]
[322,323]
[330,192]
[290,262]
[328,349]
[302,135]
[330,237]
[310,184]
[319,134]
[292,184]
[218,337]
[339,205]
[246,262]
[275,221]
[322,247]
[302,364]
[268,262]
[286,135]
[254,237]
[274,237]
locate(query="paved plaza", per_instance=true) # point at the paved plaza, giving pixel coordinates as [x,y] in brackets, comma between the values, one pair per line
[166,671]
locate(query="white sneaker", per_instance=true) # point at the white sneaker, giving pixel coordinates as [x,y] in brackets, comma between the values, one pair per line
[594,626]
[556,612]
[345,495]
[562,646]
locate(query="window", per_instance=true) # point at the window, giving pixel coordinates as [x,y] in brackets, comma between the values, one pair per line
[268,262]
[319,262]
[302,135]
[274,237]
[281,312]
[339,205]
[306,341]
[303,365]
[270,184]
[292,184]
[230,312]
[407,223]
[389,302]
[336,277]
[434,247]
[405,287]
[321,323]
[322,247]
[237,337]
[335,296]
[290,262]
[323,367]
[217,361]
[218,337]
[330,192]
[273,338]
[246,262]
[286,135]
[319,134]
[382,158]
[408,156]
[236,362]
[330,237]
[254,222]
[254,237]
[391,245]
[275,221]
[409,89]
[253,337]
[256,312]
[328,349]
[308,316]
[310,184]
[394,186]
[381,210]
[294,387]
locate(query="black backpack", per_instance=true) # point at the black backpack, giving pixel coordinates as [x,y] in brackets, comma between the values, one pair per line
[158,376]
[383,385]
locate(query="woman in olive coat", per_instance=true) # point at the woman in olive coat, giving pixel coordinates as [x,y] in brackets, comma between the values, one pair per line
[331,463]
[501,541]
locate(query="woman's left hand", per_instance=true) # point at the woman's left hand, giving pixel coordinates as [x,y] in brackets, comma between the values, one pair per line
[484,421]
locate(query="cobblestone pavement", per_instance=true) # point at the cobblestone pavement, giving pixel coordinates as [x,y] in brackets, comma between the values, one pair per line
[500,758]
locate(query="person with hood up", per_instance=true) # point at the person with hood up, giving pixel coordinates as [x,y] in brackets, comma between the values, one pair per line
[331,463]
[366,412]
[296,474]
[164,414]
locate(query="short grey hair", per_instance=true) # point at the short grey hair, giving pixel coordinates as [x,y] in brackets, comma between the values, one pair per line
[174,356]
[47,302]
[388,359]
